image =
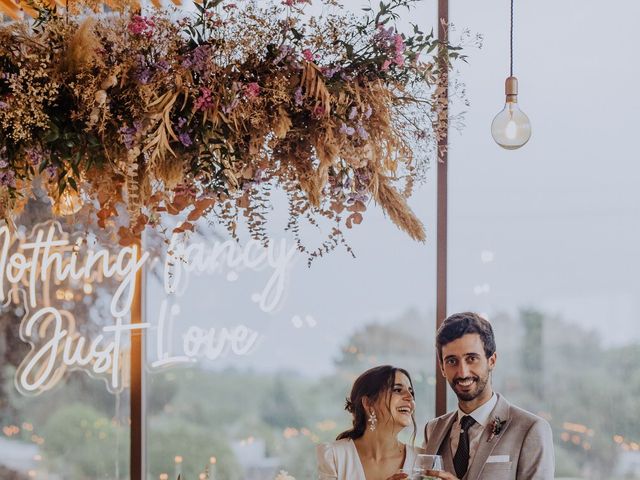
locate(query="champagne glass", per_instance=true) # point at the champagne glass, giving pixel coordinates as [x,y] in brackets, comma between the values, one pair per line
[426,463]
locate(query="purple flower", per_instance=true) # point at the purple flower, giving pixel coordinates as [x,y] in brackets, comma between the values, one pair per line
[357,197]
[163,66]
[181,122]
[8,178]
[329,72]
[3,105]
[34,156]
[346,130]
[362,133]
[128,136]
[4,164]
[353,113]
[345,76]
[51,171]
[185,139]
[383,37]
[257,177]
[298,98]
[368,112]
[285,50]
[144,76]
[198,61]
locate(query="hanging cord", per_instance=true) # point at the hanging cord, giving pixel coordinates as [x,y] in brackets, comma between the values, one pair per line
[511,41]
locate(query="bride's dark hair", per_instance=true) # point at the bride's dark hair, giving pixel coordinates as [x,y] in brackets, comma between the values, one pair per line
[371,384]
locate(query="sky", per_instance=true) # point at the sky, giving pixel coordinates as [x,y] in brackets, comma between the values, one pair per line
[554,225]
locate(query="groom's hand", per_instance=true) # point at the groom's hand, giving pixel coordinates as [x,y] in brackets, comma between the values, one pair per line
[441,474]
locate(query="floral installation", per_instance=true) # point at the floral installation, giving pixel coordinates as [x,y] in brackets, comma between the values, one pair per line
[496,428]
[131,117]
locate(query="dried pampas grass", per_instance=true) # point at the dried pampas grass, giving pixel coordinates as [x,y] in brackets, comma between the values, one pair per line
[395,205]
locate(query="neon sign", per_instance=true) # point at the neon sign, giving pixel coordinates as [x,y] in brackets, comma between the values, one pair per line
[31,268]
[36,268]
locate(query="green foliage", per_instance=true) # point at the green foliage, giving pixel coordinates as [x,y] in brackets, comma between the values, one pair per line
[279,409]
[82,443]
[196,443]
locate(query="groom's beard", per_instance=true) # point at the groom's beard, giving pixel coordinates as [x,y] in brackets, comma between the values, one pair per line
[477,387]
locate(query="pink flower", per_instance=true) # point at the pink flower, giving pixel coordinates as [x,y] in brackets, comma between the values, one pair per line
[140,25]
[204,100]
[308,56]
[399,50]
[392,45]
[398,44]
[252,90]
[293,3]
[318,112]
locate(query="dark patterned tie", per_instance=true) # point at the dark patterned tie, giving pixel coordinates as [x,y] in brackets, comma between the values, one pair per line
[461,458]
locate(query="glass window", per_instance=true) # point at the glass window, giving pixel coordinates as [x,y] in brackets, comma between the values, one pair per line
[543,240]
[252,352]
[64,401]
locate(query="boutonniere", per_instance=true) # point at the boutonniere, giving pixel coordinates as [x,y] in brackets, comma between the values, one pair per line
[496,428]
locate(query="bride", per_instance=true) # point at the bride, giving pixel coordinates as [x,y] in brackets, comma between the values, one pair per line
[382,404]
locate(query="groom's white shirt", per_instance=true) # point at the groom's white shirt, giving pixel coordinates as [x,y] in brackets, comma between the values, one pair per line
[481,416]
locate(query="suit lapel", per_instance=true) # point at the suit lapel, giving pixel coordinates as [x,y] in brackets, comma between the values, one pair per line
[440,433]
[438,443]
[487,441]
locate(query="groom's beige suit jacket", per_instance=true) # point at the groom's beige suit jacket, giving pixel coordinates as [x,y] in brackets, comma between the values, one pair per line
[523,450]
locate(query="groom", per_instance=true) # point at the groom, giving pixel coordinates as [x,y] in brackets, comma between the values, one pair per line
[486,438]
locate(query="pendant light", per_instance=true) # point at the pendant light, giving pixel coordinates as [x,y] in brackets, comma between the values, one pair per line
[511,128]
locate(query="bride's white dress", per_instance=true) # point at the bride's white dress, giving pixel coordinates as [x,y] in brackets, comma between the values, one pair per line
[339,460]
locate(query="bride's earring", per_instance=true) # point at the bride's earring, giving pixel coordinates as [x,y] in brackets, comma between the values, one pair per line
[373,420]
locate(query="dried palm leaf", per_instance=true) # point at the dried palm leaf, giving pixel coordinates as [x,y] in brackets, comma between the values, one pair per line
[314,86]
[282,123]
[160,111]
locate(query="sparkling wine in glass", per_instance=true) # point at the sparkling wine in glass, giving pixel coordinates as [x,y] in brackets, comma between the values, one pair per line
[425,464]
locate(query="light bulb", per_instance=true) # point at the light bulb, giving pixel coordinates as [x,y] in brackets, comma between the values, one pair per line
[511,128]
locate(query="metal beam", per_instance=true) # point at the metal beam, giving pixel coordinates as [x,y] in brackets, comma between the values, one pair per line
[137,383]
[441,280]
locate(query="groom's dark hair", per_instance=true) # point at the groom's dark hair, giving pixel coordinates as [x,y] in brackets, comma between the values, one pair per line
[459,324]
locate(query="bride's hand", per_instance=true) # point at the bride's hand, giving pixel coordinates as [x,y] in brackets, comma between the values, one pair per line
[441,474]
[398,476]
